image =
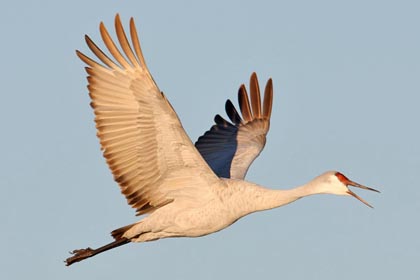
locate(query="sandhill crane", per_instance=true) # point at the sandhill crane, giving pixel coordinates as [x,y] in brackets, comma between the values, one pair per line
[185,190]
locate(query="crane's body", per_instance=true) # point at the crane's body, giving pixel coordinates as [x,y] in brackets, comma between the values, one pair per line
[224,203]
[185,190]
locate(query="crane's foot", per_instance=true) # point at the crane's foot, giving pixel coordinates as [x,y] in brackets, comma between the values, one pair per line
[79,254]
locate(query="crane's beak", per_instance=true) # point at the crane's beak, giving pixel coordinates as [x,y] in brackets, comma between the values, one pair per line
[357,185]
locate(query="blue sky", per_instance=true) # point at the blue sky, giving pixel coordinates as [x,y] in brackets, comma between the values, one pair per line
[346,84]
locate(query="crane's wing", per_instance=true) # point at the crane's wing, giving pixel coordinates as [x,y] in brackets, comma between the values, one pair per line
[230,148]
[143,141]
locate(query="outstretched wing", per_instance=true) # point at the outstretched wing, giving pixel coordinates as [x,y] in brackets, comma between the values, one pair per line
[143,141]
[230,148]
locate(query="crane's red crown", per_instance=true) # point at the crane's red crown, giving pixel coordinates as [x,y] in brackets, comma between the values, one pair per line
[343,179]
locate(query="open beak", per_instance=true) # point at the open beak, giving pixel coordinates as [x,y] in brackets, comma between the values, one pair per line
[354,184]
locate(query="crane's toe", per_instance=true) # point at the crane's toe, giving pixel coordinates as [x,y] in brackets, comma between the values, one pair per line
[81,251]
[78,255]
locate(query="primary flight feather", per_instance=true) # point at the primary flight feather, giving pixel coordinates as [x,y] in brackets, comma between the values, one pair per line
[186,190]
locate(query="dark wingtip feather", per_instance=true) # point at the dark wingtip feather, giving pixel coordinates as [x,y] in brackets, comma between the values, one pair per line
[219,120]
[268,99]
[232,112]
[255,95]
[244,104]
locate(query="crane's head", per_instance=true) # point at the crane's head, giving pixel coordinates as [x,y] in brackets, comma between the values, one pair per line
[334,182]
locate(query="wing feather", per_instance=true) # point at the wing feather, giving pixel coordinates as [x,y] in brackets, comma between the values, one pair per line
[140,134]
[232,113]
[112,48]
[125,44]
[255,96]
[244,104]
[230,148]
[268,99]
[100,54]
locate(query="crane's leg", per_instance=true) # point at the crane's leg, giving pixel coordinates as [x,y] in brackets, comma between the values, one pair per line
[81,254]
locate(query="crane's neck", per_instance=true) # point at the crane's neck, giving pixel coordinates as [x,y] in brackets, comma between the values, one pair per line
[250,198]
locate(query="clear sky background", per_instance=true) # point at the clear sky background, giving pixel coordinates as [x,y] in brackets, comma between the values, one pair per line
[347,94]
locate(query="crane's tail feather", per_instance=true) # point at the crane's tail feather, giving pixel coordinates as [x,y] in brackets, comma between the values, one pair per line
[119,232]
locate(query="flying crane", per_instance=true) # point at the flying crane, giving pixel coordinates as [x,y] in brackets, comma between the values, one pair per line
[184,190]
